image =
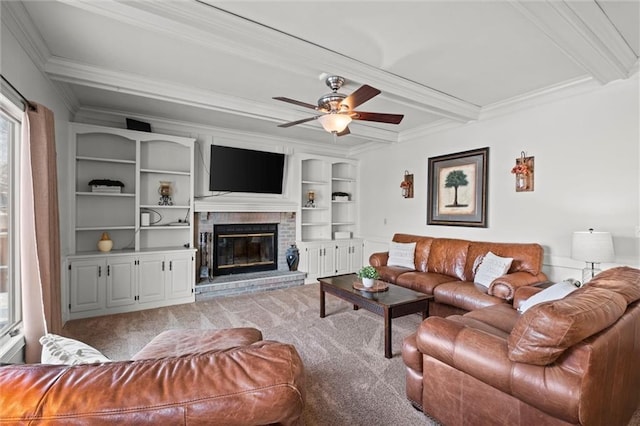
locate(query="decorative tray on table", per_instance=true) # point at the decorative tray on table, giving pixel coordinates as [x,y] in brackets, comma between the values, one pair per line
[377,287]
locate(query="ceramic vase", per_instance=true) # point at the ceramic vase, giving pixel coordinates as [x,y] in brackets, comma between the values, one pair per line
[293,257]
[368,282]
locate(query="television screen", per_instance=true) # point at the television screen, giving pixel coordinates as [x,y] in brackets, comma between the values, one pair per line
[245,170]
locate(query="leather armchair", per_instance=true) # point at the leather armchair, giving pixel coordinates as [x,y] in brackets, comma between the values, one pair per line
[569,361]
[182,377]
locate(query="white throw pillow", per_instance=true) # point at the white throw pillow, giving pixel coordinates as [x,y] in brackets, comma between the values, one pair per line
[553,292]
[490,268]
[62,350]
[402,254]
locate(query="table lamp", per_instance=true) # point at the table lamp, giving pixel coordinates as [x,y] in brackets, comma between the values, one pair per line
[593,248]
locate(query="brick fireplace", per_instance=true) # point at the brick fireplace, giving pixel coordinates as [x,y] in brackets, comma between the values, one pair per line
[212,258]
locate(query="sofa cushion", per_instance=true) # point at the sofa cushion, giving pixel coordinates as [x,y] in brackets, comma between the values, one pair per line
[65,351]
[553,292]
[527,257]
[424,282]
[448,256]
[464,295]
[490,268]
[546,330]
[402,254]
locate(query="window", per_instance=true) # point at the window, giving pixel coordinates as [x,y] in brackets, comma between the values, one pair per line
[10,304]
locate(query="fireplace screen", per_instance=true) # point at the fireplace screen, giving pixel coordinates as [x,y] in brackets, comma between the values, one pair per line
[245,248]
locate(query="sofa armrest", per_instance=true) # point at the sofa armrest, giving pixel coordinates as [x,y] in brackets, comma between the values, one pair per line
[479,354]
[523,293]
[379,259]
[505,286]
[484,356]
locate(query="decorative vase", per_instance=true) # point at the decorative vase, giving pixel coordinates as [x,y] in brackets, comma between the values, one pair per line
[368,282]
[293,257]
[105,244]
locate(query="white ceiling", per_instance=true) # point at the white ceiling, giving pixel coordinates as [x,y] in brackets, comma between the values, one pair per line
[219,63]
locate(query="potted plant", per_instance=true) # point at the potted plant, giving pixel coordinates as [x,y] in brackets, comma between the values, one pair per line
[368,274]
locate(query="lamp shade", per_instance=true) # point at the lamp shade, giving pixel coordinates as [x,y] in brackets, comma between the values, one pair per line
[334,122]
[592,247]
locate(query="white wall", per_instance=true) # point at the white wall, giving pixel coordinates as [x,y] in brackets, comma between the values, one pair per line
[19,69]
[587,162]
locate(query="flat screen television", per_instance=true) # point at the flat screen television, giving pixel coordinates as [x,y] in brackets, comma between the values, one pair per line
[245,170]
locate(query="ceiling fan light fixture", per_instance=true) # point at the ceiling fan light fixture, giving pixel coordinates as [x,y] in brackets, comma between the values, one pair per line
[334,123]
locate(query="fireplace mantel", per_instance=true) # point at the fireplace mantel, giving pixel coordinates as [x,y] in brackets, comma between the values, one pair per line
[244,204]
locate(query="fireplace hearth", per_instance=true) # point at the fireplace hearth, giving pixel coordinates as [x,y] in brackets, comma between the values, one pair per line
[245,247]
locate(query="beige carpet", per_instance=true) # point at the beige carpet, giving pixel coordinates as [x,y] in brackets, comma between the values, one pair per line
[349,381]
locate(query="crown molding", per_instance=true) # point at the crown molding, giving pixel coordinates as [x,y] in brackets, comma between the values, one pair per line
[429,129]
[17,20]
[535,98]
[584,33]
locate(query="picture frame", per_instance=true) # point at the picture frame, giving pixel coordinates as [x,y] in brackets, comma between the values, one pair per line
[457,189]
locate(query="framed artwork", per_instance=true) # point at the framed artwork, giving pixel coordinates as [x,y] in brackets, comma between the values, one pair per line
[457,193]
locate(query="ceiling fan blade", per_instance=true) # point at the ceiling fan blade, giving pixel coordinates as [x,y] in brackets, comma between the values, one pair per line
[376,116]
[345,132]
[360,96]
[293,123]
[293,101]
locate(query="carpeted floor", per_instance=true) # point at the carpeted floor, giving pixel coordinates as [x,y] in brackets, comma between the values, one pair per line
[349,381]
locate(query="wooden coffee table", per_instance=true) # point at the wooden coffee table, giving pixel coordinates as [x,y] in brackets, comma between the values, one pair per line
[393,303]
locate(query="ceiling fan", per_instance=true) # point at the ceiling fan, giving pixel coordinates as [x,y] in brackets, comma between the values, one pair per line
[338,110]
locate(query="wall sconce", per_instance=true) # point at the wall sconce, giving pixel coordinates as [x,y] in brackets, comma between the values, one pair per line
[407,185]
[524,173]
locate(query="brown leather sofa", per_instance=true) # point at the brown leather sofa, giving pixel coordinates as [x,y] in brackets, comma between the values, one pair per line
[571,361]
[446,268]
[182,377]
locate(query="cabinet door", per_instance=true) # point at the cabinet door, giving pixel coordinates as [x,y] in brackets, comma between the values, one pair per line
[355,256]
[151,278]
[180,276]
[327,259]
[312,261]
[343,257]
[87,287]
[121,280]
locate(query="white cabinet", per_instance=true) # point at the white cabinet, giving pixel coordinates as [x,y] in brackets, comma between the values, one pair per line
[151,264]
[121,278]
[151,273]
[108,284]
[321,259]
[180,266]
[348,256]
[328,215]
[87,284]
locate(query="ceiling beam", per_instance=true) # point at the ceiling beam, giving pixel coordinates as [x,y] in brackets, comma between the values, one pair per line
[219,30]
[584,33]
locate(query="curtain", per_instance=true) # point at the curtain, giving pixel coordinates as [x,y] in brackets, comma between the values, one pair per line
[39,230]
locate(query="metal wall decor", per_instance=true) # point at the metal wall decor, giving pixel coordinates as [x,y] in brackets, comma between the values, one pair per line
[524,173]
[407,185]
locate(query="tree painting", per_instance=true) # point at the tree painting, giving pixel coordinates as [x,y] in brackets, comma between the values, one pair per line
[454,180]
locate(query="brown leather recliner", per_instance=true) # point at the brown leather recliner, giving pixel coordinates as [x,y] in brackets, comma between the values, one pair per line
[569,361]
[182,377]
